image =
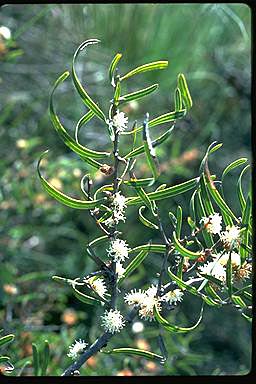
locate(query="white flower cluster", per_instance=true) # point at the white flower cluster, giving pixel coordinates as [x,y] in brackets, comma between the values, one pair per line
[173,297]
[118,250]
[77,348]
[113,321]
[120,121]
[212,223]
[215,269]
[146,300]
[231,235]
[98,285]
[119,206]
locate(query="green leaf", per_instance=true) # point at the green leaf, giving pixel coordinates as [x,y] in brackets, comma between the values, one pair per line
[246,217]
[134,264]
[205,196]
[183,251]
[179,221]
[67,139]
[149,150]
[212,148]
[117,93]
[248,318]
[182,84]
[84,119]
[45,358]
[137,352]
[177,99]
[161,139]
[139,182]
[212,279]
[6,339]
[158,248]
[35,359]
[138,94]
[220,201]
[167,192]
[84,95]
[85,298]
[237,300]
[3,359]
[211,292]
[232,166]
[201,213]
[98,241]
[144,220]
[61,197]
[112,68]
[174,328]
[146,67]
[240,190]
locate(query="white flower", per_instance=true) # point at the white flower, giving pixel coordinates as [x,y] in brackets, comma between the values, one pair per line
[135,297]
[231,234]
[212,223]
[120,121]
[150,300]
[119,269]
[118,250]
[119,207]
[77,348]
[172,297]
[98,285]
[112,321]
[110,222]
[235,259]
[147,307]
[215,269]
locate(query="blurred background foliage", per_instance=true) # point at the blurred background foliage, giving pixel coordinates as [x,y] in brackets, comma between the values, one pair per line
[211,45]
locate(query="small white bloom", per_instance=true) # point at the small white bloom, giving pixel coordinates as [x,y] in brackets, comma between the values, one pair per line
[119,207]
[212,223]
[5,32]
[150,300]
[110,222]
[118,250]
[112,321]
[235,259]
[231,234]
[120,121]
[147,307]
[98,285]
[77,348]
[172,297]
[135,297]
[137,327]
[215,269]
[119,269]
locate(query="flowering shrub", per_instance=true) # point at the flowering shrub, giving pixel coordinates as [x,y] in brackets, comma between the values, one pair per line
[213,262]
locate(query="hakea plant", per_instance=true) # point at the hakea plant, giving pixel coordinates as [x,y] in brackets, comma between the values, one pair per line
[212,263]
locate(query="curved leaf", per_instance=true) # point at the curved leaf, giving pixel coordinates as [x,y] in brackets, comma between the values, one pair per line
[161,139]
[174,328]
[138,259]
[159,248]
[240,190]
[162,64]
[232,166]
[139,182]
[144,220]
[177,99]
[167,192]
[138,94]
[85,298]
[84,95]
[182,84]
[64,199]
[67,139]
[183,251]
[112,68]
[6,339]
[137,352]
[84,119]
